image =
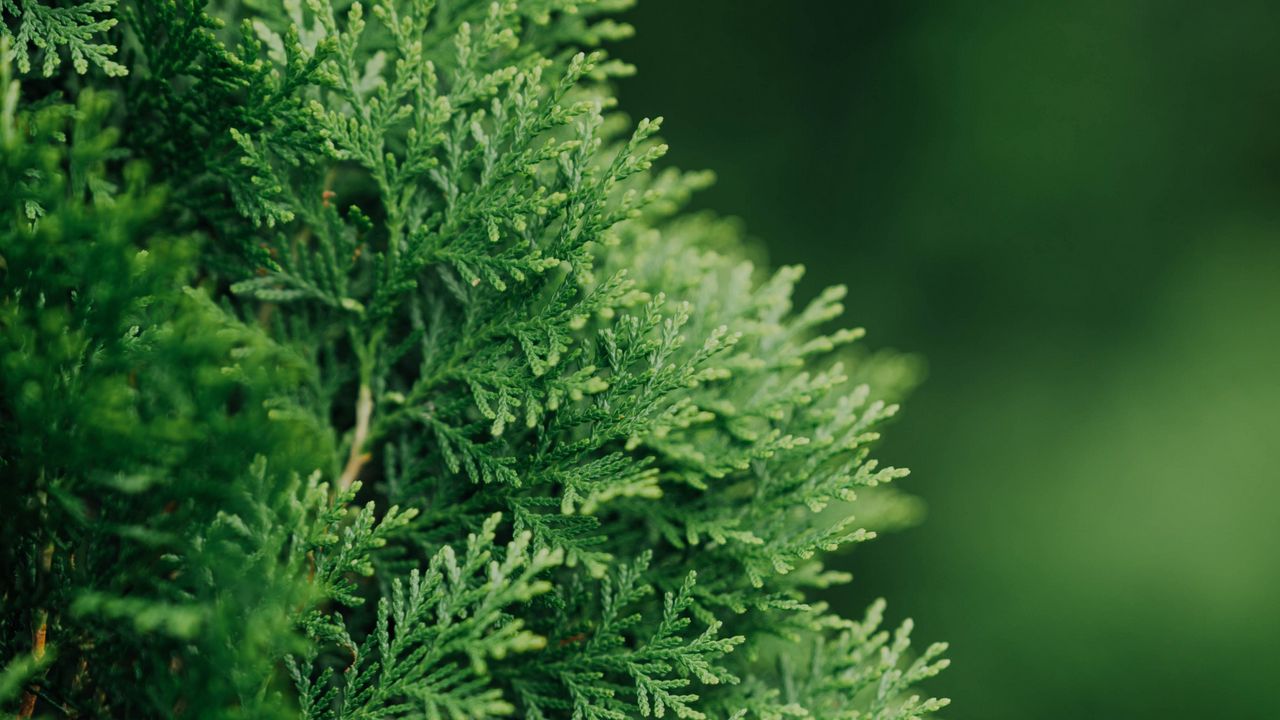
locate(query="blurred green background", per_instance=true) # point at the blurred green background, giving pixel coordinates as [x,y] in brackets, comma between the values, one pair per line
[1072,210]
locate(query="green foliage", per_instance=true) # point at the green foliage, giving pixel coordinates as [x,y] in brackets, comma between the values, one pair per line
[415,384]
[50,27]
[426,626]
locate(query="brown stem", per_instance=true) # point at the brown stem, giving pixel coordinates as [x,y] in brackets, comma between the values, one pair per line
[357,458]
[28,706]
[265,311]
[38,640]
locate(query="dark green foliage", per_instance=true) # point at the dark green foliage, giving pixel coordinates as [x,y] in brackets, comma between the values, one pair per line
[412,395]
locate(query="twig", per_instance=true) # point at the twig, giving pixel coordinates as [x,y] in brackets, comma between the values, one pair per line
[357,458]
[38,640]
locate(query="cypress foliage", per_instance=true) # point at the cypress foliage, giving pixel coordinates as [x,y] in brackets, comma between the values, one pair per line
[355,363]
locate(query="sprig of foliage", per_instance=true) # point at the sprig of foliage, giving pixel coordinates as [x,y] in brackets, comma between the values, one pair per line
[609,668]
[50,28]
[427,625]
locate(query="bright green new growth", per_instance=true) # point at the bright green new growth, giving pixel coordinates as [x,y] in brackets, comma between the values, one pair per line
[410,393]
[49,28]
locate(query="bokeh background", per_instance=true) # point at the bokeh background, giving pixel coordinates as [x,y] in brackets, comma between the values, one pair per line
[1072,211]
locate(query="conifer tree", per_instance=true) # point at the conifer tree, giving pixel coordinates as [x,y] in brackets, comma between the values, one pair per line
[355,362]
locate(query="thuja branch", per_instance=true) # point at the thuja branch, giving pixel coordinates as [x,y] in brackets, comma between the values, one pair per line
[612,455]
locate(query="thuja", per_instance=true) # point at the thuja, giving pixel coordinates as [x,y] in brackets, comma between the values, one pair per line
[355,362]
